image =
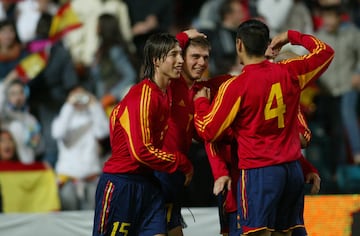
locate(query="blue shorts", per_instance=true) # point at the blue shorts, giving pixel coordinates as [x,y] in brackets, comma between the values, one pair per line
[223,215]
[128,205]
[271,198]
[234,227]
[228,220]
[172,187]
[299,232]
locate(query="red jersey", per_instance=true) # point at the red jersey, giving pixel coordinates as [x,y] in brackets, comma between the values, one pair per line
[306,166]
[181,121]
[261,105]
[303,126]
[137,128]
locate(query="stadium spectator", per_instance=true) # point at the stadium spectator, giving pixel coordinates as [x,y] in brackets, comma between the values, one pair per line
[223,56]
[7,9]
[28,13]
[155,17]
[78,128]
[84,42]
[50,88]
[340,84]
[8,151]
[11,49]
[17,118]
[112,71]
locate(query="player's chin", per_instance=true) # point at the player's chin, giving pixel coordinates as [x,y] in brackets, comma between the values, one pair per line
[197,74]
[175,74]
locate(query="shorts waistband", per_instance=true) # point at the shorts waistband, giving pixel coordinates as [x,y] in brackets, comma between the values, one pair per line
[134,177]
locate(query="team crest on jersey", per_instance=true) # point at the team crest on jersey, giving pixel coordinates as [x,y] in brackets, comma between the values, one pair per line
[182,103]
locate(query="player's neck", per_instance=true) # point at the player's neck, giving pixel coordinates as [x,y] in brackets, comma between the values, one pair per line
[189,81]
[161,81]
[253,60]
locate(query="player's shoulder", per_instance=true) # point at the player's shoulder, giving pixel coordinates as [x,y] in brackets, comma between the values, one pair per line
[178,82]
[135,92]
[143,86]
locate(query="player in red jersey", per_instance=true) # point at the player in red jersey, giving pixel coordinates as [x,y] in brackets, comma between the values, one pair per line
[180,123]
[181,129]
[129,202]
[223,163]
[261,106]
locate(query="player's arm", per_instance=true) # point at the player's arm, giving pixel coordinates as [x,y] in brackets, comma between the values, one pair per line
[184,37]
[216,152]
[308,67]
[311,175]
[211,120]
[218,164]
[304,131]
[138,125]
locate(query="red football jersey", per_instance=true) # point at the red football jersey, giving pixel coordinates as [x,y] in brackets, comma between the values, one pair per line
[303,126]
[261,105]
[307,167]
[181,121]
[137,128]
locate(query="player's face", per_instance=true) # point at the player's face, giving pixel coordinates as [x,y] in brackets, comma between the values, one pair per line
[171,65]
[196,62]
[7,146]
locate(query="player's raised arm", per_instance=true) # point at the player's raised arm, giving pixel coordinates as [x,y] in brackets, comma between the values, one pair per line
[184,37]
[309,66]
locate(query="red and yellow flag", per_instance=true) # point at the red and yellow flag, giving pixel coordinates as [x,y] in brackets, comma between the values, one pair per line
[64,21]
[28,188]
[31,66]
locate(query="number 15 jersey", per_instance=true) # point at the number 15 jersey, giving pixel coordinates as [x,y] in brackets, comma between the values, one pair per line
[261,105]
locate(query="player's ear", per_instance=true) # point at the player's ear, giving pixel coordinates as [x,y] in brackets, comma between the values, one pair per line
[156,62]
[238,45]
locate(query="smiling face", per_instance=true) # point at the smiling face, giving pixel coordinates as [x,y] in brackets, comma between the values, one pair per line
[171,65]
[7,146]
[196,62]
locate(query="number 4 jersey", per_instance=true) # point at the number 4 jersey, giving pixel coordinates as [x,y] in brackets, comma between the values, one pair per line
[261,105]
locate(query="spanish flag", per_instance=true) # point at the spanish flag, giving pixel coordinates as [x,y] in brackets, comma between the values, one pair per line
[28,188]
[64,21]
[31,66]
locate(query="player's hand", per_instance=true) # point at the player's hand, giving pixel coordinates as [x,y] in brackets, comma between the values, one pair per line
[193,33]
[188,177]
[303,142]
[203,92]
[222,183]
[276,44]
[313,178]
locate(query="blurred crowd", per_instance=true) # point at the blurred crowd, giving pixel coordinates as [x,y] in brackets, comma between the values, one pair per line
[59,115]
